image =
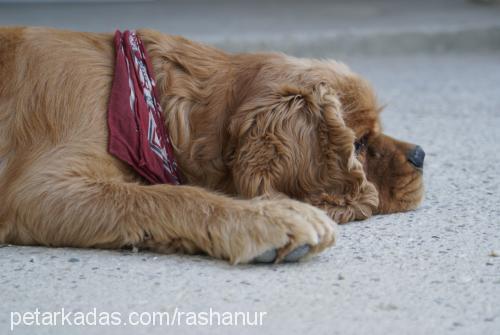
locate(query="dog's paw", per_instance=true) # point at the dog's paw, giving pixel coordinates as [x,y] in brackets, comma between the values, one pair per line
[295,255]
[346,208]
[274,231]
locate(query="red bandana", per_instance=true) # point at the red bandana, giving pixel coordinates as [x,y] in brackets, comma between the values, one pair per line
[137,133]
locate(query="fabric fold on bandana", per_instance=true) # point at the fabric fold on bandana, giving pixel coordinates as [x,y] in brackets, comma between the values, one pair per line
[137,133]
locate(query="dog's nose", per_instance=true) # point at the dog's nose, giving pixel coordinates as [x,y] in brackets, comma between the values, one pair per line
[416,156]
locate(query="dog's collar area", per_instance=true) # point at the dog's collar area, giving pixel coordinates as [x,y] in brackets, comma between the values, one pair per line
[137,132]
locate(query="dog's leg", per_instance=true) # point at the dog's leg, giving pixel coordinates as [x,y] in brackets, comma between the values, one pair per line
[78,206]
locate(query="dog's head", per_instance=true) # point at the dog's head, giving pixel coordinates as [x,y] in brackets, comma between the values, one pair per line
[311,130]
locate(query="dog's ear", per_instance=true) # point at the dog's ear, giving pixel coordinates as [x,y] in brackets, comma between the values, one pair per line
[350,196]
[295,141]
[272,134]
[344,172]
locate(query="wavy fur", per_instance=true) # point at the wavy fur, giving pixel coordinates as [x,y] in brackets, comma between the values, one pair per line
[270,127]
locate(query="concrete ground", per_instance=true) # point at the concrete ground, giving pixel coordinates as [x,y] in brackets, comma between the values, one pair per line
[431,271]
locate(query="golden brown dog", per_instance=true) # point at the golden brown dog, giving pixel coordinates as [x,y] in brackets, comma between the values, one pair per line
[263,126]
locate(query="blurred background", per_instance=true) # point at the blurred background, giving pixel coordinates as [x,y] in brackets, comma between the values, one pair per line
[305,28]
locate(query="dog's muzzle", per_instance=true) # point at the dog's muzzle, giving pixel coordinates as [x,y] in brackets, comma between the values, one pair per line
[416,157]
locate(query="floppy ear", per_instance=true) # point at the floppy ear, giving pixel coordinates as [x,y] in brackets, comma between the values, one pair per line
[350,196]
[272,134]
[295,141]
[345,173]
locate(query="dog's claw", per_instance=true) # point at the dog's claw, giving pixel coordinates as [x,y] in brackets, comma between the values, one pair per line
[297,253]
[267,257]
[294,256]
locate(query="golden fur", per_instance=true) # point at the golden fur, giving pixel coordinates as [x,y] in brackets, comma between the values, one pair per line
[263,126]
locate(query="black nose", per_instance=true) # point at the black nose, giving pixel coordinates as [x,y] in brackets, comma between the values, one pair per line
[416,156]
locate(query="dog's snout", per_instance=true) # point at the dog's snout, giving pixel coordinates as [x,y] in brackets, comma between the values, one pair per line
[416,156]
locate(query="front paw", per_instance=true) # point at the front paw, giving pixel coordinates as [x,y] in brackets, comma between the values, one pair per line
[272,231]
[346,208]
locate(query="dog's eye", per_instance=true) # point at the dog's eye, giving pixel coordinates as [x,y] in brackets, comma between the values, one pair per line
[360,144]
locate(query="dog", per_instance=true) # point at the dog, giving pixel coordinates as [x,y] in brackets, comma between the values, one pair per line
[275,150]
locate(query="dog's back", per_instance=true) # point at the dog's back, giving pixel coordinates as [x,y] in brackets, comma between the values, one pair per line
[10,39]
[45,73]
[53,93]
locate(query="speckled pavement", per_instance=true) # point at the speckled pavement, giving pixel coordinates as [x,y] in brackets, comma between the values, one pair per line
[431,271]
